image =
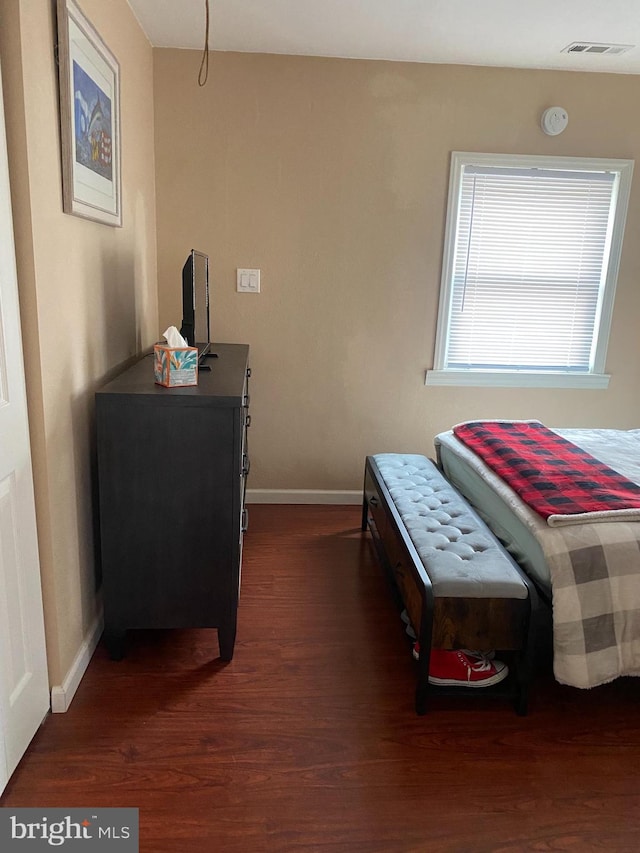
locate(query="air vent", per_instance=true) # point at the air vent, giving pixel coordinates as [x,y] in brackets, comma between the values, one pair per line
[596,47]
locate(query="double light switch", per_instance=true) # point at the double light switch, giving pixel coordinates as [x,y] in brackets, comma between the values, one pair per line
[248,281]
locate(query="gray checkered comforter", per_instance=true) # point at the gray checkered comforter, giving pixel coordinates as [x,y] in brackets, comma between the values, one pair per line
[594,571]
[595,581]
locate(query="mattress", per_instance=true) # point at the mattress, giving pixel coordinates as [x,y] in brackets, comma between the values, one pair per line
[518,527]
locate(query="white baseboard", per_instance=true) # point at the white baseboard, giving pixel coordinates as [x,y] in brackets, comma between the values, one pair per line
[61,695]
[302,496]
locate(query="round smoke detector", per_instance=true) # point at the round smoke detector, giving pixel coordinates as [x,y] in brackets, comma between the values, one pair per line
[554,120]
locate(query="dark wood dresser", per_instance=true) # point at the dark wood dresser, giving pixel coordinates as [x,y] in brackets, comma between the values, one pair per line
[172,468]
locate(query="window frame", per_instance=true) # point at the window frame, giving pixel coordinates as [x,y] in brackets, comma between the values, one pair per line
[514,378]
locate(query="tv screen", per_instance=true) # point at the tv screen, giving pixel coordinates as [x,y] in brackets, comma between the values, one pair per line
[195,302]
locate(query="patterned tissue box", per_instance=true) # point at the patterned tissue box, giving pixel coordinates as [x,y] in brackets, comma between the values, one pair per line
[175,367]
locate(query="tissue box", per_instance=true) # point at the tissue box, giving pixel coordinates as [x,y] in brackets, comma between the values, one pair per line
[175,367]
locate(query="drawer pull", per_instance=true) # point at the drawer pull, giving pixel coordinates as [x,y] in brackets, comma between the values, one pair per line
[244,524]
[373,501]
[247,421]
[246,465]
[248,372]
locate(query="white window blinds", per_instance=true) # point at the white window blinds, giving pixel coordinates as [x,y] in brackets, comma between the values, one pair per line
[529,268]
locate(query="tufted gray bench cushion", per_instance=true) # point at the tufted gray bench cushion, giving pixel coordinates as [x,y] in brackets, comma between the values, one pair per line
[461,555]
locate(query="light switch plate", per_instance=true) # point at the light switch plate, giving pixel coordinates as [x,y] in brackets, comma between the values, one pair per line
[248,281]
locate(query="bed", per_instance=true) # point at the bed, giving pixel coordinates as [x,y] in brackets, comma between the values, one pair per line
[589,571]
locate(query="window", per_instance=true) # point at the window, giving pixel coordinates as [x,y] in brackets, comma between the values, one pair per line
[532,250]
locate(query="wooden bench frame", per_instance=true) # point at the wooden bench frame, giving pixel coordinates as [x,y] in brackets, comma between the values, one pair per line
[503,624]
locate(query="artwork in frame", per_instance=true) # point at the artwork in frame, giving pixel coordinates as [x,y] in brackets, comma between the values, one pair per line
[89,119]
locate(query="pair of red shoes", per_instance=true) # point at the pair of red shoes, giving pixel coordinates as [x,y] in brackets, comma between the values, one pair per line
[463,667]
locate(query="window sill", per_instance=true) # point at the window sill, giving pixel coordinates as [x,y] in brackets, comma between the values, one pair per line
[516,379]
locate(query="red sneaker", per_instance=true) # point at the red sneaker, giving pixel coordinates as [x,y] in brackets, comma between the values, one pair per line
[473,654]
[490,655]
[456,668]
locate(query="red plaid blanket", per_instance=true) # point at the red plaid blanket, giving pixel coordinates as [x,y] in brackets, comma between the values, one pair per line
[552,475]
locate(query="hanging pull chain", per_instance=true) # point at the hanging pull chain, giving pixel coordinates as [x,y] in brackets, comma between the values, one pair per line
[204,65]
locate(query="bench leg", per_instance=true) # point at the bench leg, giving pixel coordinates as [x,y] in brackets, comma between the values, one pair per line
[426,634]
[422,687]
[421,699]
[522,701]
[526,664]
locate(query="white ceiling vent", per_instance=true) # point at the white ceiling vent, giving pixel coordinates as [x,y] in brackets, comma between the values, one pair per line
[596,47]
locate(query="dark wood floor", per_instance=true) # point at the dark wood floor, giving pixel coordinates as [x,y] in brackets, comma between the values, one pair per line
[308,739]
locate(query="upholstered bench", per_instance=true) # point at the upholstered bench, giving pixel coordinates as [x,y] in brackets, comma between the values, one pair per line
[459,586]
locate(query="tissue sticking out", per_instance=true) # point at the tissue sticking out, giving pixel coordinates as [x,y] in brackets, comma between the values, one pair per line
[175,364]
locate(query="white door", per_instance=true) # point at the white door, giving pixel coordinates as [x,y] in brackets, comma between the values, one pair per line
[24,685]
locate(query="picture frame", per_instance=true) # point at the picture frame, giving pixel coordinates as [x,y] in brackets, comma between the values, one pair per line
[89,119]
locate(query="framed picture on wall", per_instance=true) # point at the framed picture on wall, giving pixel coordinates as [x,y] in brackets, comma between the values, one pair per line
[89,119]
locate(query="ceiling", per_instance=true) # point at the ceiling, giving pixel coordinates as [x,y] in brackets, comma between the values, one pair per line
[511,33]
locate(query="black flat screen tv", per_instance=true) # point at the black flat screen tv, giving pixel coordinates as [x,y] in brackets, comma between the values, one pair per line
[195,327]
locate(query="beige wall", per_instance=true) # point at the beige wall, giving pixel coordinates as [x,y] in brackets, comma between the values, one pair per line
[331,177]
[88,292]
